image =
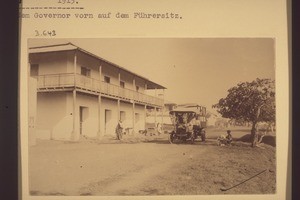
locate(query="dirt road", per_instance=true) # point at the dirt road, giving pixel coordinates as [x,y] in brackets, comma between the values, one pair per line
[146,167]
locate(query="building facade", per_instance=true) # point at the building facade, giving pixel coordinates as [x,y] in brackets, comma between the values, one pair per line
[74,93]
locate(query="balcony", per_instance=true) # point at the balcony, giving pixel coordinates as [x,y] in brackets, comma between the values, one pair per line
[69,81]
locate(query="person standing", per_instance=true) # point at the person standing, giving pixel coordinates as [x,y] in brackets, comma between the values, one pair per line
[119,130]
[159,128]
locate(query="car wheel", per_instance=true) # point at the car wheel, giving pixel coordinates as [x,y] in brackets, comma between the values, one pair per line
[192,140]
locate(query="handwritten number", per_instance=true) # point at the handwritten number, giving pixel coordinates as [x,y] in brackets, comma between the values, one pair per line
[52,33]
[45,33]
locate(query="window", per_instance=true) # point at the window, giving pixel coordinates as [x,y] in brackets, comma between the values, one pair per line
[85,71]
[137,88]
[137,117]
[106,79]
[122,84]
[34,69]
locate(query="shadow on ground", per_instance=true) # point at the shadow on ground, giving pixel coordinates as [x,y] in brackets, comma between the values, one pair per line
[268,139]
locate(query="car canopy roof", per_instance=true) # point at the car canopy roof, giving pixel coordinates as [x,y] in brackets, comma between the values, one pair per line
[185,110]
[188,108]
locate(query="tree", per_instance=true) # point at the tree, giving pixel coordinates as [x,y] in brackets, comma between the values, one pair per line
[250,102]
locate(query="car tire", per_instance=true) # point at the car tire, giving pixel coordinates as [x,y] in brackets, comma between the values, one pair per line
[203,137]
[171,138]
[192,140]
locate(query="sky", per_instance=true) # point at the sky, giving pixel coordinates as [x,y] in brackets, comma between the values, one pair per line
[194,70]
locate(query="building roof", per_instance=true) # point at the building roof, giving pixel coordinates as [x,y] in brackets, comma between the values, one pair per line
[72,47]
[169,102]
[185,110]
[52,48]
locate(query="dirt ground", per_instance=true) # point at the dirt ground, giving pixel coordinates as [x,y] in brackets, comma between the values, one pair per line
[149,165]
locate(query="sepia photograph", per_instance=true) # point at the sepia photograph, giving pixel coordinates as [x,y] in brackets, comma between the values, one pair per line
[151,116]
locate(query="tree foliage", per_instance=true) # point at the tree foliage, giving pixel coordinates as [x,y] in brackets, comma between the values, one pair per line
[250,102]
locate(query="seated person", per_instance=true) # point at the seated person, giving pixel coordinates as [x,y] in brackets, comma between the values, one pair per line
[229,137]
[225,140]
[190,125]
[197,125]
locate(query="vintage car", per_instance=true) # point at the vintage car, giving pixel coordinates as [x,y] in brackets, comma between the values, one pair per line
[189,122]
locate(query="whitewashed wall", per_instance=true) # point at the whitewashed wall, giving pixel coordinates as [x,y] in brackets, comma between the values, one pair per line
[53,121]
[51,63]
[32,115]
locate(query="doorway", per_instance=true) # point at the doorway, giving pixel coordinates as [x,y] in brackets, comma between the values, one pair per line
[83,115]
[137,122]
[122,116]
[107,120]
[137,117]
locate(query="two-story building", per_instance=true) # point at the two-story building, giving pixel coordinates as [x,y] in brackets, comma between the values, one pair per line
[74,93]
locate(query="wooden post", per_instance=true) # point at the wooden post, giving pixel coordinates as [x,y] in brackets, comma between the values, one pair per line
[100,77]
[147,101]
[99,133]
[75,67]
[163,111]
[119,78]
[133,118]
[162,115]
[74,113]
[119,116]
[145,116]
[133,105]
[135,95]
[119,88]
[155,95]
[120,95]
[155,115]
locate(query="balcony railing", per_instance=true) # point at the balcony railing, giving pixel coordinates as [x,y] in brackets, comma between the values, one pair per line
[53,81]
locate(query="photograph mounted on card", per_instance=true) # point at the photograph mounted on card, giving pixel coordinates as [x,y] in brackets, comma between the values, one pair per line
[154,99]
